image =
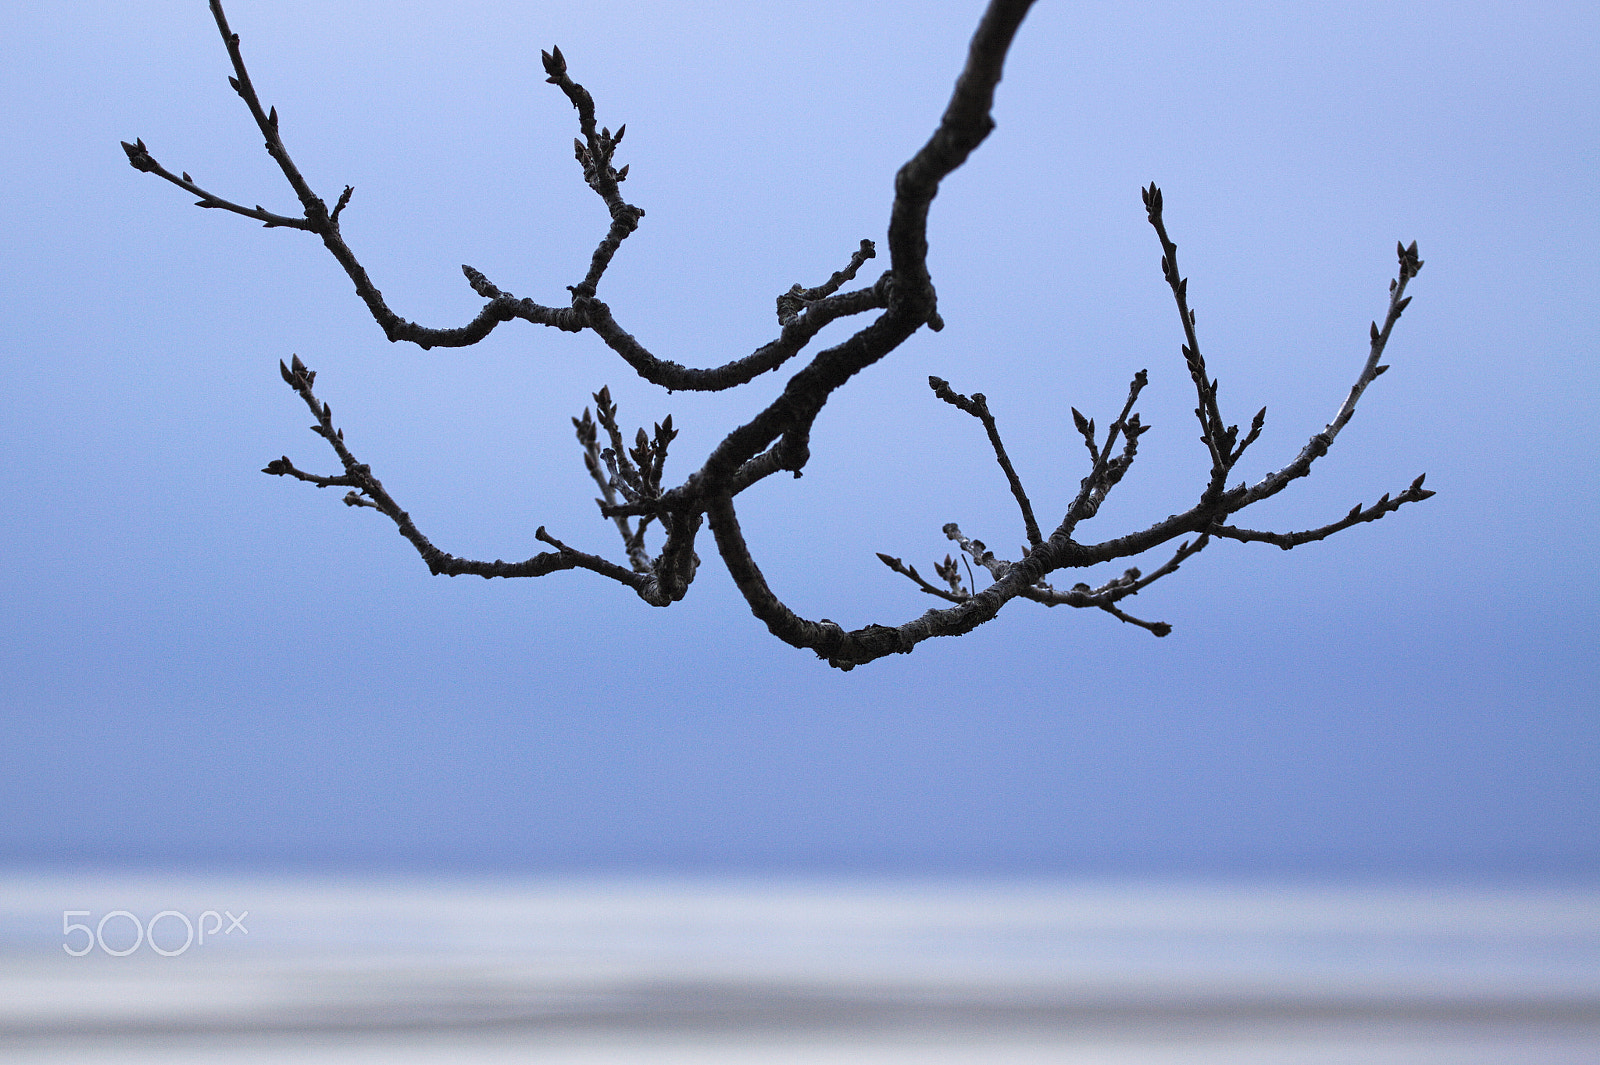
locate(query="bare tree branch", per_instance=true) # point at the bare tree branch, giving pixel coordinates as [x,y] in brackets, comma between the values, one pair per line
[631,475]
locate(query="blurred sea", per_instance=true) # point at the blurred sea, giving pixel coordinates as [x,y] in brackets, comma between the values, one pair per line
[785,972]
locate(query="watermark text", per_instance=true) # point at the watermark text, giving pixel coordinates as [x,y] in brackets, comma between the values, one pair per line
[120,932]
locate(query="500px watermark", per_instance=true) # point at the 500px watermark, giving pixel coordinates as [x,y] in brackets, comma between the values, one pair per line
[145,932]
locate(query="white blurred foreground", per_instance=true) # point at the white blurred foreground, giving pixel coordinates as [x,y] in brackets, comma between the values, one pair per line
[781,972]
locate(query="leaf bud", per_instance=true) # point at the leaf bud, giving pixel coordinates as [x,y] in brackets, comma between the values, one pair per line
[138,157]
[555,64]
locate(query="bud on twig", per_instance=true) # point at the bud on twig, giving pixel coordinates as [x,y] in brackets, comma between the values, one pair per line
[555,64]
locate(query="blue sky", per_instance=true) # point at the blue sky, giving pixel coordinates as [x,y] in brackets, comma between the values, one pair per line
[207,667]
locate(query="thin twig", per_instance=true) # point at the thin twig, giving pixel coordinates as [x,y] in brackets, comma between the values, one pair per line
[1414,494]
[978,407]
[1217,439]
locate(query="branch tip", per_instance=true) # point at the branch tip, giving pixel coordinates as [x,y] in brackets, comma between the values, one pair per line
[555,65]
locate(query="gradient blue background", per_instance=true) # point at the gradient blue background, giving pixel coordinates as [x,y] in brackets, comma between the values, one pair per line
[202,667]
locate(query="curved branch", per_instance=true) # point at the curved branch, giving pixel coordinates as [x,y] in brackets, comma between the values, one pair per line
[797,331]
[965,124]
[842,649]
